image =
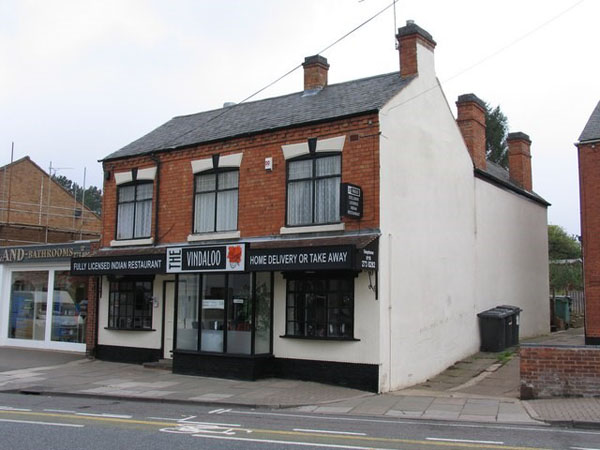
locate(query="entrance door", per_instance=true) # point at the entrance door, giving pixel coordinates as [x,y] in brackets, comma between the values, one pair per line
[169,301]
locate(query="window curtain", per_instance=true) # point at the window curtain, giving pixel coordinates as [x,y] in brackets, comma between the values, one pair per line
[125,212]
[143,212]
[216,196]
[300,192]
[227,201]
[204,207]
[327,190]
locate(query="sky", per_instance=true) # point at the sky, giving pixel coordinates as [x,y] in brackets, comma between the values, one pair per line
[79,79]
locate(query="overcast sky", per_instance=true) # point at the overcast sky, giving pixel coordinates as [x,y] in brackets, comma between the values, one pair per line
[80,79]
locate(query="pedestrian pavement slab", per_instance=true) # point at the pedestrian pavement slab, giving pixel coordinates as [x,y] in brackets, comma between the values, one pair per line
[485,400]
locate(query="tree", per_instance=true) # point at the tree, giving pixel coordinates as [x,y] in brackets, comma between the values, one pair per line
[496,124]
[93,195]
[564,253]
[561,245]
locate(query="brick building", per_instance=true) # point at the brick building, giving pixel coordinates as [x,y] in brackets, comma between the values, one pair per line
[36,209]
[347,233]
[42,226]
[589,185]
[574,370]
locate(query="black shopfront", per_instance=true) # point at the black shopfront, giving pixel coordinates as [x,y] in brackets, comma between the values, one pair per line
[225,314]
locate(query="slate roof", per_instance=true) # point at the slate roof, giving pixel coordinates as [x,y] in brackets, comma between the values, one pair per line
[333,101]
[591,131]
[499,175]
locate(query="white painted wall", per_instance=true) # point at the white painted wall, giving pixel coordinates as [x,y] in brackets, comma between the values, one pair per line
[366,325]
[124,338]
[441,229]
[512,256]
[427,224]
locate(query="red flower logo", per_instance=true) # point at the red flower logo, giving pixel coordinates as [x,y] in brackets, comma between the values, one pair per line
[234,254]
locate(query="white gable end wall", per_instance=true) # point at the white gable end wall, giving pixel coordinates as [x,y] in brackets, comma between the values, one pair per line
[512,256]
[427,246]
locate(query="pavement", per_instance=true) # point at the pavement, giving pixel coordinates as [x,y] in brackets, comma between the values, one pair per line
[482,388]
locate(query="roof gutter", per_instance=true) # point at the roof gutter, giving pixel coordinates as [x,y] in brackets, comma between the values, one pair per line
[591,141]
[497,181]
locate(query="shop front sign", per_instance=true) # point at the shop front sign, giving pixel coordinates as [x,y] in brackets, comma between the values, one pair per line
[119,265]
[216,258]
[43,253]
[338,257]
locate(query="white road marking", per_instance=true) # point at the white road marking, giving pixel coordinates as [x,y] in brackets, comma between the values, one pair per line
[584,448]
[273,441]
[10,408]
[537,428]
[330,432]
[465,441]
[60,411]
[219,411]
[112,416]
[43,423]
[163,418]
[187,420]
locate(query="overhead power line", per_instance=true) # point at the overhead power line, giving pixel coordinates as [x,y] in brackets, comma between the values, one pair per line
[289,72]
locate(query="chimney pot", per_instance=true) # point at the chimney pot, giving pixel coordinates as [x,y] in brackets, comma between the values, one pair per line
[519,159]
[471,121]
[315,72]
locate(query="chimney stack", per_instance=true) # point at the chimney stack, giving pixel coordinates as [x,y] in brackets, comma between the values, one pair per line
[408,37]
[519,159]
[471,121]
[315,72]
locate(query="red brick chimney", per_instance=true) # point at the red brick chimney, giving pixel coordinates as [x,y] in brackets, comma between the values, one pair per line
[315,72]
[519,159]
[408,37]
[471,121]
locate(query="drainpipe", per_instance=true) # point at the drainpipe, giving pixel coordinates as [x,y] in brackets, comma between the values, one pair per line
[390,278]
[157,161]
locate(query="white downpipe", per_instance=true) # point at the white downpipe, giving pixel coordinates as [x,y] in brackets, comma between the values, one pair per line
[390,278]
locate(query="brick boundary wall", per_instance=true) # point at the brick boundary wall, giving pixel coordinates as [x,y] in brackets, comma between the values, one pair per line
[559,371]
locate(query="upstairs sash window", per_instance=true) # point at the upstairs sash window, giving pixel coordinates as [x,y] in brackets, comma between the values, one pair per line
[134,211]
[216,201]
[313,190]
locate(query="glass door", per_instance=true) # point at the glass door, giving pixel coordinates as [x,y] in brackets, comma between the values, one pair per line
[212,321]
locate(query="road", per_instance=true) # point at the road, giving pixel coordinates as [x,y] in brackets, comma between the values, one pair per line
[36,422]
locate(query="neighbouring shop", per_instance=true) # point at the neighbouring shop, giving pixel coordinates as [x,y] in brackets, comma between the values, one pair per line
[43,304]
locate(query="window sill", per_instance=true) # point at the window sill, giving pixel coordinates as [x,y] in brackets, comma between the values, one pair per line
[129,329]
[128,242]
[319,338]
[313,228]
[213,236]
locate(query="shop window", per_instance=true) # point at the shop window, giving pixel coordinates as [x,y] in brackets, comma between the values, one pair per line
[216,201]
[134,210]
[28,305]
[320,307]
[130,304]
[313,190]
[69,307]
